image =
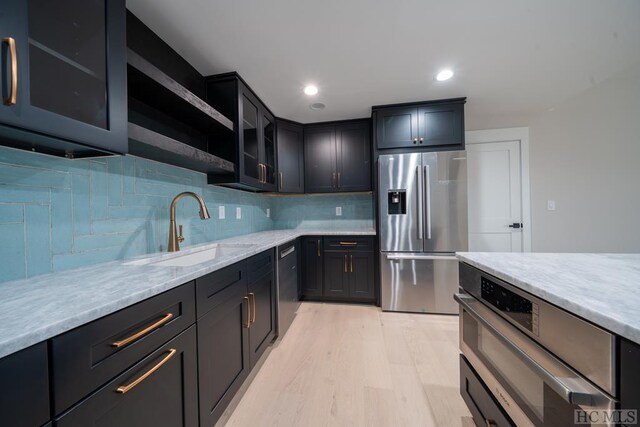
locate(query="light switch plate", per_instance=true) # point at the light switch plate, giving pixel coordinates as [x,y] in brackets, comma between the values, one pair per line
[268,213]
[238,212]
[338,210]
[221,212]
[551,205]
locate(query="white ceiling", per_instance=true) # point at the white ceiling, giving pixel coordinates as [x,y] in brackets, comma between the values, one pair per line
[512,58]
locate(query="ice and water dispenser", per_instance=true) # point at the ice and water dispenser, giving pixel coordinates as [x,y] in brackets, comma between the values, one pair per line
[397,202]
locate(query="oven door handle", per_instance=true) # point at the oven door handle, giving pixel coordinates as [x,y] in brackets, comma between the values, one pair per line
[572,396]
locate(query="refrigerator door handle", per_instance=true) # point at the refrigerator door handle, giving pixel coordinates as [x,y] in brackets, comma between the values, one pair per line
[394,257]
[420,205]
[427,185]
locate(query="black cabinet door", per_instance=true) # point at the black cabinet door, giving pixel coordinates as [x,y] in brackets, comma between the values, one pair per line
[629,375]
[397,127]
[25,395]
[320,159]
[249,138]
[336,280]
[263,319]
[360,275]
[441,124]
[290,158]
[223,353]
[268,146]
[69,58]
[353,142]
[160,390]
[312,267]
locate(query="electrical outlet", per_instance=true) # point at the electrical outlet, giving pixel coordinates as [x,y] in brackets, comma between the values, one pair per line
[338,210]
[268,213]
[221,212]
[551,205]
[238,212]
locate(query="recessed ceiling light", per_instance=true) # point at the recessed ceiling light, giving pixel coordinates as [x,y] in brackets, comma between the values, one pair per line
[311,90]
[444,75]
[317,106]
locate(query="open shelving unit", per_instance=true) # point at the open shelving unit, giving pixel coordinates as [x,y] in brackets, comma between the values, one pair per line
[169,123]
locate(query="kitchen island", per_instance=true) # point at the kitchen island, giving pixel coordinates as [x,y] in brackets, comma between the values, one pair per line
[550,339]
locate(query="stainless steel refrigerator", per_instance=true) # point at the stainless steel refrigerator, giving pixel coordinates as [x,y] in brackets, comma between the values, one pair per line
[422,203]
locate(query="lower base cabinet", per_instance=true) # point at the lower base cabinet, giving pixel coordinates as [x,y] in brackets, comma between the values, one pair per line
[236,332]
[160,390]
[338,269]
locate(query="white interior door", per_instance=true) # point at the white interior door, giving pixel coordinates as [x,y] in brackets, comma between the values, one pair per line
[495,197]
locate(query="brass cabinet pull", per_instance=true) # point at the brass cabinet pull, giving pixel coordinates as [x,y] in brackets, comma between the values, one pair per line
[318,247]
[491,423]
[348,243]
[143,332]
[125,388]
[253,307]
[333,180]
[345,263]
[339,180]
[281,180]
[264,174]
[13,94]
[351,263]
[248,323]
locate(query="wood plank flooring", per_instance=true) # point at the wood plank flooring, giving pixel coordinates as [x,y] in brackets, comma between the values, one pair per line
[354,365]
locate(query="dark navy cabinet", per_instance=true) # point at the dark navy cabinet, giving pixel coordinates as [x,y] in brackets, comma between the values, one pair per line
[629,375]
[290,157]
[437,125]
[312,267]
[24,378]
[63,76]
[337,157]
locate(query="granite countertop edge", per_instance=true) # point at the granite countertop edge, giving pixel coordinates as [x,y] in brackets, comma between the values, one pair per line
[39,308]
[575,291]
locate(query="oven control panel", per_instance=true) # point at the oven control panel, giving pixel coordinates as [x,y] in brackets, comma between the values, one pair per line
[517,308]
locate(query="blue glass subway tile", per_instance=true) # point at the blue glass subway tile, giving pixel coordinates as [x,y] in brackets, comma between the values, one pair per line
[11,213]
[99,191]
[61,221]
[12,252]
[34,177]
[38,239]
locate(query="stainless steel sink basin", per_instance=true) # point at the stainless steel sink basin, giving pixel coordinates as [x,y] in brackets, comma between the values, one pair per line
[210,253]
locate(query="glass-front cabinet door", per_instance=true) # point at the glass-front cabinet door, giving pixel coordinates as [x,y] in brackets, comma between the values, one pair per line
[251,169]
[64,70]
[269,157]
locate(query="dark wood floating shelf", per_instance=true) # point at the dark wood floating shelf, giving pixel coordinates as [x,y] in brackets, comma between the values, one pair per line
[152,145]
[151,86]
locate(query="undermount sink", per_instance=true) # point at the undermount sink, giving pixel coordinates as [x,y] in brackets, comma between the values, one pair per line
[189,259]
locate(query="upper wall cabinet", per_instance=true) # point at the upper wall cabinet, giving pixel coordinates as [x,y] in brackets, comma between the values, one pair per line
[169,119]
[62,72]
[290,157]
[429,125]
[252,148]
[338,157]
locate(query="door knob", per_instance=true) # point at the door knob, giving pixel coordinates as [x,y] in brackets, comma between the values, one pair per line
[516,225]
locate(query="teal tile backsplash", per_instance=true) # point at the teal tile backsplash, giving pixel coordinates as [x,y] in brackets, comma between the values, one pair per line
[57,214]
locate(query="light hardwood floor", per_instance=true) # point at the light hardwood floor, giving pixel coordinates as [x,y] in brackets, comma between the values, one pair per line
[354,365]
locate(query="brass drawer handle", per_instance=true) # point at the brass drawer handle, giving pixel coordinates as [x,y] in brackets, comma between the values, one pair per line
[351,263]
[281,181]
[125,388]
[248,322]
[491,423]
[348,243]
[13,94]
[253,307]
[318,247]
[143,332]
[345,263]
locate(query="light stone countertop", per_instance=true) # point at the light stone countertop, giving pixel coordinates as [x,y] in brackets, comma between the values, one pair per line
[601,288]
[36,309]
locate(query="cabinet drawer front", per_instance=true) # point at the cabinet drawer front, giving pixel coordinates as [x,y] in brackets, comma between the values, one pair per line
[215,288]
[259,265]
[25,395]
[353,243]
[479,400]
[161,390]
[89,356]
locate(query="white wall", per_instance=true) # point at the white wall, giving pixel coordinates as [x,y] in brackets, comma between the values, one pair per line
[585,155]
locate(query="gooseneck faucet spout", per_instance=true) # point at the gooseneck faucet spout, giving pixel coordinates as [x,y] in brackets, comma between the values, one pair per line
[174,237]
